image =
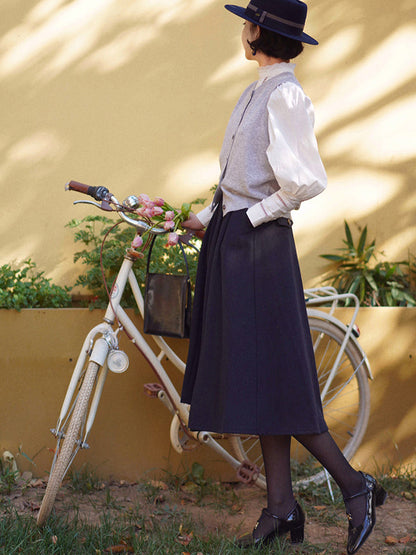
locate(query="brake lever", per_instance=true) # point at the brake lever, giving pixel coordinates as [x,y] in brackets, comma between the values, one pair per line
[104,205]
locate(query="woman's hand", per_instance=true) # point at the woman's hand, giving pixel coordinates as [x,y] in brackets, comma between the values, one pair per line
[192,223]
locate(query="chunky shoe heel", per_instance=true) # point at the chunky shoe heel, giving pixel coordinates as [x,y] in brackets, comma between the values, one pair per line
[380,495]
[297,534]
[294,524]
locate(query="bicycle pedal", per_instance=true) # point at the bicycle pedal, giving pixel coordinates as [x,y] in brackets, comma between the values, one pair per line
[152,389]
[248,472]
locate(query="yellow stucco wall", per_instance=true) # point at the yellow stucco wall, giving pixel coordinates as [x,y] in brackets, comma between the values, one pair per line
[130,437]
[136,95]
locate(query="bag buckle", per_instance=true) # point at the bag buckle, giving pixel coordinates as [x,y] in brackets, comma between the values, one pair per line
[248,472]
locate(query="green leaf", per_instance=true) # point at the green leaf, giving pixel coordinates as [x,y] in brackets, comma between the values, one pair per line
[370,280]
[332,257]
[348,234]
[362,240]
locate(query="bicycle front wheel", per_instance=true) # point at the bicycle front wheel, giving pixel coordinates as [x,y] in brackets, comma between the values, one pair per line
[71,442]
[346,404]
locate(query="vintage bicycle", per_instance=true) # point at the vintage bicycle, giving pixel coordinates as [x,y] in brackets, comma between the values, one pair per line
[343,372]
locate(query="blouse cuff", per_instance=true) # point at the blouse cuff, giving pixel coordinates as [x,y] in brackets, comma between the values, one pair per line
[276,205]
[205,215]
[257,215]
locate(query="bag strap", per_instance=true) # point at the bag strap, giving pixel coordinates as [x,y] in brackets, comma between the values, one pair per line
[183,253]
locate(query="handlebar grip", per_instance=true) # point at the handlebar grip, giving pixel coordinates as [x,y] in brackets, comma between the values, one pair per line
[99,193]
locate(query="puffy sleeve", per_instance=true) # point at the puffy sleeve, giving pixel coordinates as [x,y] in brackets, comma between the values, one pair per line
[292,153]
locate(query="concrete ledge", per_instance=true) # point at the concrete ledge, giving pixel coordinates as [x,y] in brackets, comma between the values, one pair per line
[131,434]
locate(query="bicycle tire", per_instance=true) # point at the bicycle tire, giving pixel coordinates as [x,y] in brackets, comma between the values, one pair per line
[63,460]
[352,403]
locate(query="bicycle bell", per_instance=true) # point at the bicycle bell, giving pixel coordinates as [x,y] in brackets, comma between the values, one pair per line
[131,202]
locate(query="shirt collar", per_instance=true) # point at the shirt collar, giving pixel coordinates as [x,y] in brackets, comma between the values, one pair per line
[266,72]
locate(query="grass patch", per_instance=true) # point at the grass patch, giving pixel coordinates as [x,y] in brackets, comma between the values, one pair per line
[398,480]
[204,491]
[165,532]
[84,480]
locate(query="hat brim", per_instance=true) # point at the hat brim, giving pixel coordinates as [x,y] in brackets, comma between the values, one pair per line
[241,12]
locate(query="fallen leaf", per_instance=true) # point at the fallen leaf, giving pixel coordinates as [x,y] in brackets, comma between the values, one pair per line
[408,495]
[121,548]
[319,507]
[406,539]
[32,505]
[159,484]
[391,540]
[185,539]
[54,539]
[36,483]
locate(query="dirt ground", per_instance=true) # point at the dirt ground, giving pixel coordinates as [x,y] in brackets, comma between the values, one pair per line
[326,526]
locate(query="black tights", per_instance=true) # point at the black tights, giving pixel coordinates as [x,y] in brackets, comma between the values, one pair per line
[276,457]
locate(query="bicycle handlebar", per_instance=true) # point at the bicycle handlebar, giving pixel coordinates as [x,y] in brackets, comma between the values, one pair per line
[103,194]
[99,193]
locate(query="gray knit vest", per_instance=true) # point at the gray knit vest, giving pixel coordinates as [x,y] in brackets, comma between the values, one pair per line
[246,175]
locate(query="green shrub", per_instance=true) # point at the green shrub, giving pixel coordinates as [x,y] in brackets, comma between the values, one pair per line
[27,288]
[91,231]
[383,283]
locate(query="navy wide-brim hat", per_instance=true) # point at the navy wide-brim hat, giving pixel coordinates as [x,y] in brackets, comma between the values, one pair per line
[286,17]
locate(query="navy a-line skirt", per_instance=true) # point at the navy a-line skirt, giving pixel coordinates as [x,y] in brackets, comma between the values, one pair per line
[250,367]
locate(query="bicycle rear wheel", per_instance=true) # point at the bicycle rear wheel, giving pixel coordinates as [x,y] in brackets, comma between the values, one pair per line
[71,443]
[346,405]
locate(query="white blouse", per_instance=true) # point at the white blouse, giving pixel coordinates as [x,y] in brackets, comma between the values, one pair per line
[292,153]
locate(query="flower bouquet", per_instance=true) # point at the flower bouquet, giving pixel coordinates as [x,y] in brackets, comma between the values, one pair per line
[158,213]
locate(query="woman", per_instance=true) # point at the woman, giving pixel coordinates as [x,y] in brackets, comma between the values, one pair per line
[251,367]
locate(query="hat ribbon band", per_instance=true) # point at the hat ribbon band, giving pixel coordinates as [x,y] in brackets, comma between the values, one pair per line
[265,14]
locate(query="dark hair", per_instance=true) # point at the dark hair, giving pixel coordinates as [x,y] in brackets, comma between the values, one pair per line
[275,45]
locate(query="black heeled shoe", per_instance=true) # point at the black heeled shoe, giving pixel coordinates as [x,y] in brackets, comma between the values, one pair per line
[376,496]
[294,523]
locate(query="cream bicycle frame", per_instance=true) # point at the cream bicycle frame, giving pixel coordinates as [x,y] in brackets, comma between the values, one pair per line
[107,339]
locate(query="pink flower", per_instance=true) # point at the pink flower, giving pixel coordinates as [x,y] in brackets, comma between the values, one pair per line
[137,242]
[169,225]
[141,211]
[159,201]
[169,215]
[148,212]
[144,199]
[173,239]
[157,211]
